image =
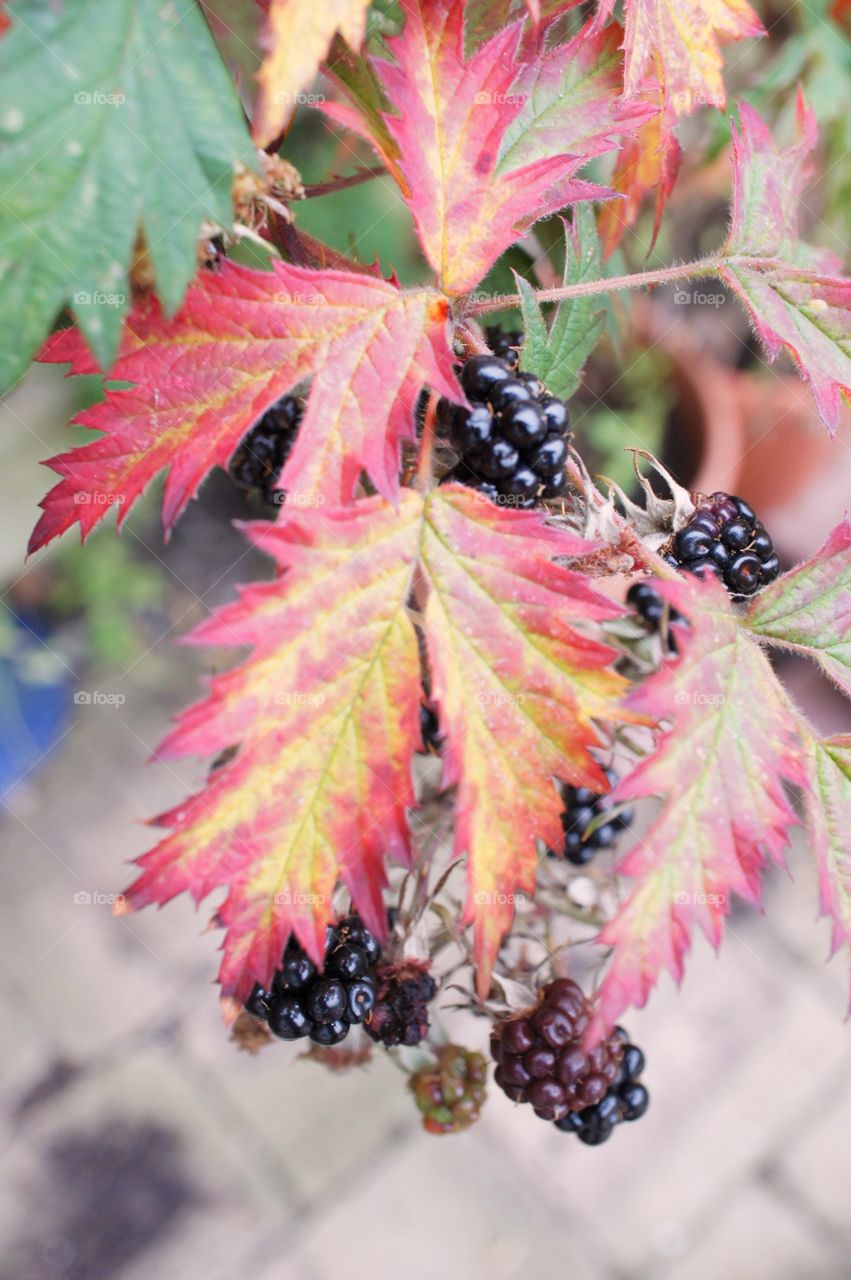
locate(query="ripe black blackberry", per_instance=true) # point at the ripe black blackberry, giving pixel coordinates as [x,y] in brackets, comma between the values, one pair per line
[540,1058]
[626,1099]
[400,1013]
[262,453]
[653,610]
[450,1093]
[581,807]
[724,538]
[513,440]
[505,345]
[430,728]
[303,1002]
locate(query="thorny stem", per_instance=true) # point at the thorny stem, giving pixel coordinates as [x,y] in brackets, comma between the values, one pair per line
[340,184]
[640,279]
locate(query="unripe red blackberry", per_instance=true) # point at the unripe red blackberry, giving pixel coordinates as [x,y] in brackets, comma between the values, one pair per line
[400,1013]
[450,1094]
[540,1059]
[725,539]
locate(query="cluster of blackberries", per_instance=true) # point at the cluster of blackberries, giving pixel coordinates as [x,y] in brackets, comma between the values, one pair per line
[258,461]
[652,609]
[303,1002]
[450,1093]
[724,538]
[513,440]
[540,1060]
[400,1013]
[581,807]
[505,345]
[627,1099]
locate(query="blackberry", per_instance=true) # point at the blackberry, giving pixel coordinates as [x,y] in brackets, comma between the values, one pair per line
[430,729]
[513,440]
[402,993]
[625,1099]
[540,1059]
[581,807]
[505,345]
[725,539]
[303,1002]
[653,610]
[262,453]
[450,1094]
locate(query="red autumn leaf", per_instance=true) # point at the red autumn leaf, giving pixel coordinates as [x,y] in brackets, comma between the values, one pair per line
[296,37]
[242,339]
[326,712]
[449,118]
[520,676]
[829,817]
[648,162]
[794,296]
[809,609]
[719,769]
[679,40]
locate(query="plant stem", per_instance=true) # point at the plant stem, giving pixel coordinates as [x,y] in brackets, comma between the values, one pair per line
[639,280]
[340,184]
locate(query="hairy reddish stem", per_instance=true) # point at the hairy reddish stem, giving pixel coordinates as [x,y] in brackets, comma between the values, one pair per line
[639,280]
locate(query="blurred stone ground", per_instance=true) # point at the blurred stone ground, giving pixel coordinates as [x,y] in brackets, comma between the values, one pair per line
[137,1142]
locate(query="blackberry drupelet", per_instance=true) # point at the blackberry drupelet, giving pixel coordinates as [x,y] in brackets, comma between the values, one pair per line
[652,610]
[430,733]
[451,1093]
[540,1058]
[505,345]
[302,1002]
[626,1099]
[724,538]
[257,463]
[513,440]
[581,807]
[400,1013]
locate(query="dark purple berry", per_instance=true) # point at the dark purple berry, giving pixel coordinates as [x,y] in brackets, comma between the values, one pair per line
[471,429]
[556,415]
[692,542]
[522,484]
[549,458]
[326,1000]
[360,999]
[737,535]
[258,1002]
[496,459]
[287,1017]
[745,574]
[634,1100]
[510,392]
[347,962]
[522,423]
[480,374]
[329,1033]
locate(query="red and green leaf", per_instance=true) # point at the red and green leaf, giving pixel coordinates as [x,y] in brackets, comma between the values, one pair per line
[326,714]
[829,816]
[242,339]
[571,101]
[719,769]
[680,42]
[809,608]
[793,294]
[520,678]
[450,116]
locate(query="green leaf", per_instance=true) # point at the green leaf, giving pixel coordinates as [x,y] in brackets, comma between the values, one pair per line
[829,814]
[809,608]
[114,115]
[558,356]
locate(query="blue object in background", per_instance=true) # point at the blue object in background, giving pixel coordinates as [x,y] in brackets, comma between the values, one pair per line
[35,695]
